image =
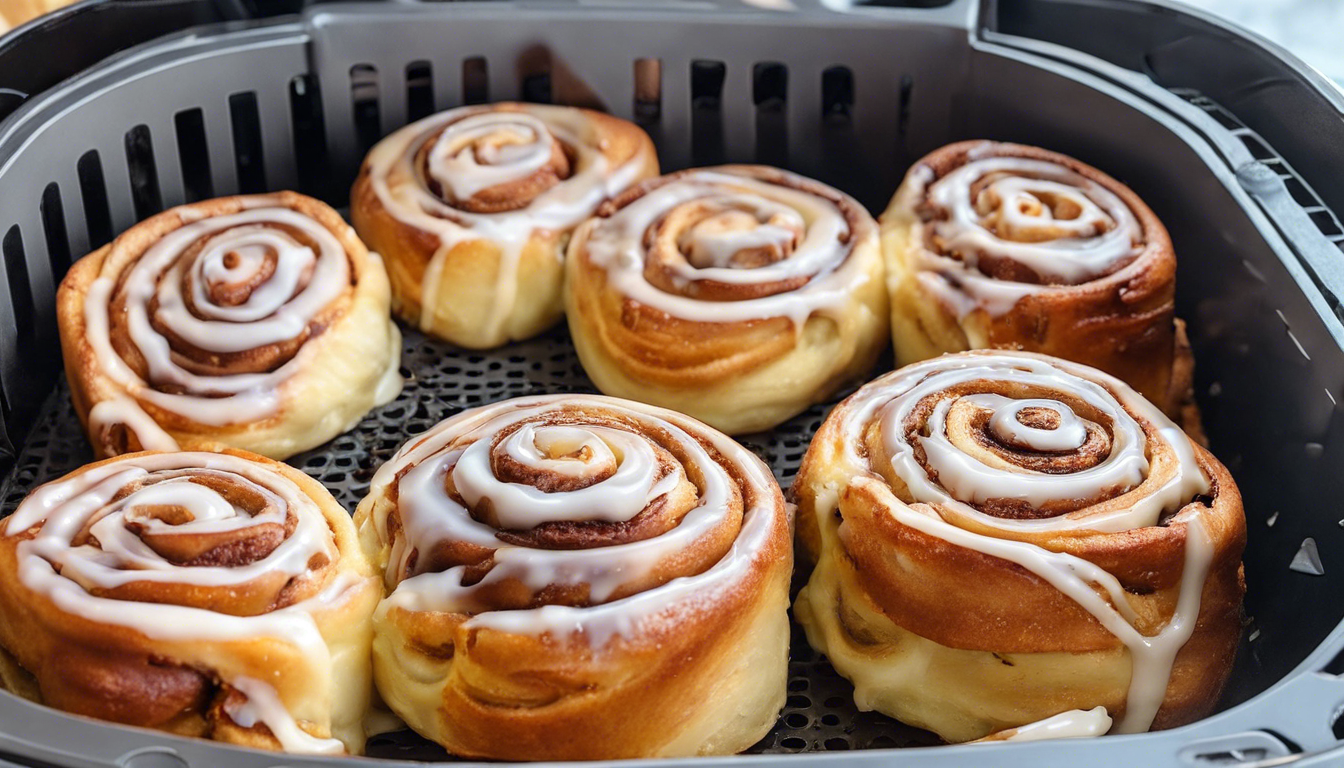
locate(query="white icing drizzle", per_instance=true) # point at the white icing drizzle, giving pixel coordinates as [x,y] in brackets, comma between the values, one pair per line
[488,149]
[263,705]
[51,565]
[742,213]
[480,148]
[429,515]
[1061,225]
[1074,724]
[631,488]
[125,411]
[963,480]
[1068,435]
[277,310]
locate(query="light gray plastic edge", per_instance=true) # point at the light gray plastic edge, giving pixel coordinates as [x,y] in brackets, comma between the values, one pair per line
[1241,733]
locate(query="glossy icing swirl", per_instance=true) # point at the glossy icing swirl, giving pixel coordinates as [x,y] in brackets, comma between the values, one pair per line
[476,162]
[1015,440]
[1044,217]
[1000,227]
[731,244]
[185,547]
[568,516]
[215,315]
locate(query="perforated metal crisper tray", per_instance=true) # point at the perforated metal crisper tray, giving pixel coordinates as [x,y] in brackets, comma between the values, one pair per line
[1240,151]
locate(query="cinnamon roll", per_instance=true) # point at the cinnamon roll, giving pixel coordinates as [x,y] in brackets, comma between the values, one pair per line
[739,295]
[1003,537]
[259,322]
[1007,246]
[580,577]
[471,209]
[212,594]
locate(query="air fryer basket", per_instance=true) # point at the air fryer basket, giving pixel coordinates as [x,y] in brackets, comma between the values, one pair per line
[1205,124]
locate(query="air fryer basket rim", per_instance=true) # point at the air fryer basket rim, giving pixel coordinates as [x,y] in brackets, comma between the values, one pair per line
[1298,711]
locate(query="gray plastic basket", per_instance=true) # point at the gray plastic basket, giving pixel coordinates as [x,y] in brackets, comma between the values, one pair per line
[1238,149]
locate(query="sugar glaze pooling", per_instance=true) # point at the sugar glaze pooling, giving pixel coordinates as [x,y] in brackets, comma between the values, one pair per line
[1074,724]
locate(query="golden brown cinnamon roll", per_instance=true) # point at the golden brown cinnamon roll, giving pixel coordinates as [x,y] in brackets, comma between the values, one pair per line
[257,321]
[739,295]
[1003,537]
[577,577]
[1006,246]
[220,595]
[472,207]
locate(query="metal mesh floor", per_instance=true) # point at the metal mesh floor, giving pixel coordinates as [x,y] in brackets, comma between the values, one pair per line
[441,380]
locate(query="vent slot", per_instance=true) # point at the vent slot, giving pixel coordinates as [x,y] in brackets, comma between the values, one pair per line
[475,80]
[193,155]
[707,83]
[53,229]
[707,78]
[843,151]
[648,104]
[20,290]
[837,93]
[247,149]
[1301,195]
[769,92]
[310,137]
[364,102]
[1257,147]
[93,190]
[535,82]
[906,93]
[419,90]
[1325,221]
[144,176]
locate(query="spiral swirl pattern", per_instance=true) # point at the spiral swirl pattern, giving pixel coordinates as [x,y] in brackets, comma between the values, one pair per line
[958,476]
[733,244]
[1012,440]
[577,577]
[503,171]
[494,161]
[200,554]
[568,514]
[738,295]
[1005,246]
[1030,220]
[214,523]
[209,317]
[243,289]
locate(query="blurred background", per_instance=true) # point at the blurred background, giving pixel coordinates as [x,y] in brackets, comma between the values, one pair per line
[1312,29]
[16,12]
